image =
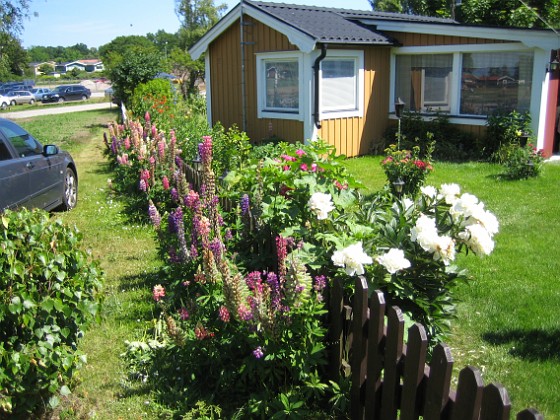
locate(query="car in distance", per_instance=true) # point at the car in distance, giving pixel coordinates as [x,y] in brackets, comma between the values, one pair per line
[67,93]
[4,102]
[39,92]
[18,97]
[33,175]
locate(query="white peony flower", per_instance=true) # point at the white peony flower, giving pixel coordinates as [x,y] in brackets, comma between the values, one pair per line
[429,191]
[352,258]
[405,202]
[478,239]
[450,192]
[320,204]
[444,249]
[393,260]
[425,233]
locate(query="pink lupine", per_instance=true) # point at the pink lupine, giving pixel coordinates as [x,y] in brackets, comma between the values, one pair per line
[165,182]
[158,292]
[183,314]
[224,314]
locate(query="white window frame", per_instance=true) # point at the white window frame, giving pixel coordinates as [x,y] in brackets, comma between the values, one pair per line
[358,109]
[455,76]
[263,111]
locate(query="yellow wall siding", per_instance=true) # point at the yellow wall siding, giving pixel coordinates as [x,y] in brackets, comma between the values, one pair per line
[415,40]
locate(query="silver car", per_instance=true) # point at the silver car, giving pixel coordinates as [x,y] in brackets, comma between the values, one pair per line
[39,92]
[32,175]
[20,97]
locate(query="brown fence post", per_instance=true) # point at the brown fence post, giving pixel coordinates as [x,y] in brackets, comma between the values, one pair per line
[393,354]
[359,348]
[336,305]
[376,335]
[437,390]
[414,364]
[469,395]
[495,403]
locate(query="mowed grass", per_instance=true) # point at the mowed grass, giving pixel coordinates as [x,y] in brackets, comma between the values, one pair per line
[127,255]
[508,321]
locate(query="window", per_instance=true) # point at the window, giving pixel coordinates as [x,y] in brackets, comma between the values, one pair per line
[498,81]
[22,141]
[423,81]
[342,84]
[279,85]
[4,152]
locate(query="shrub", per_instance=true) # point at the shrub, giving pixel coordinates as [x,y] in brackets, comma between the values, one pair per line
[504,129]
[49,292]
[520,161]
[156,98]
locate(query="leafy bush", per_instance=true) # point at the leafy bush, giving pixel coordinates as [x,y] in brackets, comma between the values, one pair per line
[452,143]
[49,293]
[520,161]
[504,129]
[155,97]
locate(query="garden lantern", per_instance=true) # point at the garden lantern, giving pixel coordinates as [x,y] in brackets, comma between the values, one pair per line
[523,137]
[398,185]
[197,162]
[554,65]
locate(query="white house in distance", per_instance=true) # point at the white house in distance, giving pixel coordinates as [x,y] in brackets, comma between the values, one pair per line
[90,65]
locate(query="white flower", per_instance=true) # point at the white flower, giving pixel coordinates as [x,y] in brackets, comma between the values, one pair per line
[485,218]
[352,258]
[425,233]
[478,239]
[406,203]
[465,206]
[429,191]
[450,192]
[393,260]
[444,249]
[320,204]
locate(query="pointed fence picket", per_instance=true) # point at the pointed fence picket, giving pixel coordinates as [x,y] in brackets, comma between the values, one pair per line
[390,379]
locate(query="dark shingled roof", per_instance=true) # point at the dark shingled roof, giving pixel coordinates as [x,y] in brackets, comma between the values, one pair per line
[338,26]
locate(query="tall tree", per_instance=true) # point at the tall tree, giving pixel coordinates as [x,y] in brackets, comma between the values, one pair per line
[12,13]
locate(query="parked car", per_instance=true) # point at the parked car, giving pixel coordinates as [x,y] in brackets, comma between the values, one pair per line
[18,97]
[32,175]
[4,102]
[67,93]
[39,92]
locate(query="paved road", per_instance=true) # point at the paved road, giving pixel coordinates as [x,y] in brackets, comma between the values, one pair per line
[49,110]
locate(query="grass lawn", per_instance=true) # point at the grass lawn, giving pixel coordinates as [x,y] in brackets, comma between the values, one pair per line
[508,321]
[507,325]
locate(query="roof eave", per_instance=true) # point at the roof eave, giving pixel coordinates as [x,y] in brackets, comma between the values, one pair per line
[302,40]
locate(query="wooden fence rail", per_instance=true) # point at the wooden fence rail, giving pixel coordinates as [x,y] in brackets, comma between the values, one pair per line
[391,380]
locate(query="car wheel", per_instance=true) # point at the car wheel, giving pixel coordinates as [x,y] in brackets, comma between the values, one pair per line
[32,101]
[60,100]
[4,105]
[70,193]
[84,97]
[12,103]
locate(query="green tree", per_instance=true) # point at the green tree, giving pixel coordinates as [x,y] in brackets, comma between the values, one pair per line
[12,14]
[112,53]
[135,66]
[14,58]
[45,68]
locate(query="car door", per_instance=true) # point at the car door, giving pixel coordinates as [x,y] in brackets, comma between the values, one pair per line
[14,178]
[45,174]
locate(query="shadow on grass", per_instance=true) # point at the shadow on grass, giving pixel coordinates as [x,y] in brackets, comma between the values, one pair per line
[535,344]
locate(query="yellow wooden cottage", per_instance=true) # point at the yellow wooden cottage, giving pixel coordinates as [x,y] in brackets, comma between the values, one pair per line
[304,72]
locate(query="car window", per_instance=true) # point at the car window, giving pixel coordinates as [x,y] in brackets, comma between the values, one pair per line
[4,152]
[22,141]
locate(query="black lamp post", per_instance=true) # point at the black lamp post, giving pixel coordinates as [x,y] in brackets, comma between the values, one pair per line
[554,65]
[197,162]
[399,108]
[523,137]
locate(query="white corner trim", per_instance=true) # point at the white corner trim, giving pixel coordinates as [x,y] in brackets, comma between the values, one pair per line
[208,85]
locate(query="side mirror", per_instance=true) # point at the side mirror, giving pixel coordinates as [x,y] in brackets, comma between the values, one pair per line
[50,150]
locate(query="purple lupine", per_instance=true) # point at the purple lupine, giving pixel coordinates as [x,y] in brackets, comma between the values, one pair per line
[142,185]
[192,200]
[245,205]
[114,145]
[194,251]
[205,150]
[174,218]
[320,283]
[244,313]
[253,279]
[174,194]
[258,352]
[228,235]
[179,162]
[275,298]
[217,247]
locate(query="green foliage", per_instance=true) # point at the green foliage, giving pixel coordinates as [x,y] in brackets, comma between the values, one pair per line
[520,162]
[49,293]
[504,129]
[12,14]
[511,13]
[156,98]
[135,67]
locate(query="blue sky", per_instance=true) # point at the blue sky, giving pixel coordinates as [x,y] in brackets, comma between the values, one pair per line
[94,23]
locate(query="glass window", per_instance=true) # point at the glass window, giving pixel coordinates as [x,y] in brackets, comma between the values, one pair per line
[4,152]
[22,141]
[282,85]
[339,87]
[497,81]
[423,81]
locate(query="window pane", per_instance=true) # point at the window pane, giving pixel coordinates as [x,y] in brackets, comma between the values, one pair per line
[423,81]
[338,85]
[282,85]
[496,82]
[22,141]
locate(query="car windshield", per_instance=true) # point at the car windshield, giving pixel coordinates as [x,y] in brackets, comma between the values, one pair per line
[60,88]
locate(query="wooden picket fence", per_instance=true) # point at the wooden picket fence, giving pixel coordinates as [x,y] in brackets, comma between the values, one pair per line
[391,379]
